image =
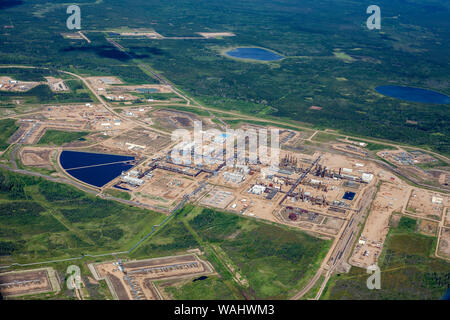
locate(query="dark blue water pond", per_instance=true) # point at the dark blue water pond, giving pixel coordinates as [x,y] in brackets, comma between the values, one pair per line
[100,175]
[446,295]
[349,195]
[94,168]
[75,159]
[254,54]
[200,278]
[413,94]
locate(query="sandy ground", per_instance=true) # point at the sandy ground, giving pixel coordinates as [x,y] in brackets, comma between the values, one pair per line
[135,280]
[350,148]
[444,243]
[138,142]
[112,89]
[429,228]
[28,282]
[209,35]
[165,188]
[56,85]
[420,204]
[36,157]
[447,217]
[390,198]
[76,117]
[9,84]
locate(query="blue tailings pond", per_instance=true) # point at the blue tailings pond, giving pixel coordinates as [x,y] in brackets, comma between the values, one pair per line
[96,169]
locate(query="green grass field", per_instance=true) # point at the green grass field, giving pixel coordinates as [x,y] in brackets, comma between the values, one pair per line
[58,137]
[42,220]
[211,288]
[408,270]
[7,129]
[274,260]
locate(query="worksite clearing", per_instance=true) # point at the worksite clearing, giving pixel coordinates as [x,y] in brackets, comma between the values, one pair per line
[134,280]
[113,89]
[28,282]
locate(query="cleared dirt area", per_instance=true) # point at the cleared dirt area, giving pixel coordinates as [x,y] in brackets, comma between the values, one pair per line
[134,280]
[427,204]
[165,189]
[217,198]
[148,33]
[444,243]
[9,84]
[350,149]
[28,282]
[56,85]
[209,35]
[174,119]
[73,117]
[429,228]
[390,198]
[36,157]
[311,220]
[447,217]
[138,142]
[111,88]
[71,36]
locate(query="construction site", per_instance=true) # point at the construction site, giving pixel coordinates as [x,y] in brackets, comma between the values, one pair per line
[10,85]
[135,280]
[20,283]
[113,90]
[426,204]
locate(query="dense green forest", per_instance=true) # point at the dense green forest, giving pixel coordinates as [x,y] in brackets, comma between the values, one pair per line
[7,129]
[332,59]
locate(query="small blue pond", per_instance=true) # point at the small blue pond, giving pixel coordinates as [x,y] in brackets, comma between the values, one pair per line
[200,278]
[96,169]
[349,195]
[446,295]
[254,54]
[413,94]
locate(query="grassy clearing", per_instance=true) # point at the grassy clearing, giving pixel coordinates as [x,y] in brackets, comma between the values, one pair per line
[237,123]
[212,288]
[274,259]
[42,220]
[58,137]
[326,137]
[118,194]
[197,111]
[7,129]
